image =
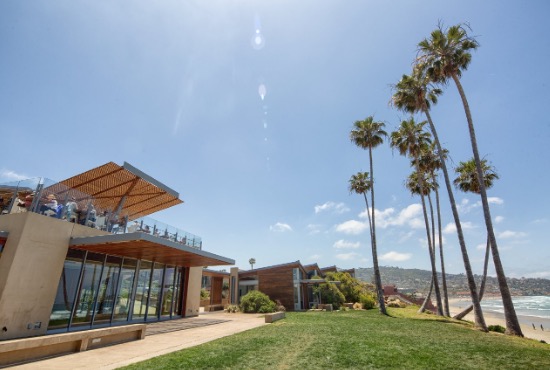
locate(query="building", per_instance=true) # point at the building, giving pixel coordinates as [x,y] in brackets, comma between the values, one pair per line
[83,254]
[289,283]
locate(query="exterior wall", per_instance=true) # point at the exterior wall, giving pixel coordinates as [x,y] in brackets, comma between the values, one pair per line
[277,283]
[30,268]
[234,285]
[193,292]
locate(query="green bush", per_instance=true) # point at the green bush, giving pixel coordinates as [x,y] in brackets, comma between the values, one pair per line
[496,328]
[330,294]
[256,301]
[232,308]
[368,301]
[205,294]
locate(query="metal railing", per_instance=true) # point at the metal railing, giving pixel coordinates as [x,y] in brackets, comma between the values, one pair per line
[32,195]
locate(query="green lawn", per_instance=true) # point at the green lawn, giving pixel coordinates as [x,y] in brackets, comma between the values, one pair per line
[360,340]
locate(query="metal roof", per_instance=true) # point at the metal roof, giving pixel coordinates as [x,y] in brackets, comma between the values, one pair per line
[123,188]
[149,247]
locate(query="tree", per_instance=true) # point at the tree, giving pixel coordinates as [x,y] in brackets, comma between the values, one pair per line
[431,163]
[414,94]
[361,184]
[443,56]
[252,261]
[410,139]
[369,134]
[467,182]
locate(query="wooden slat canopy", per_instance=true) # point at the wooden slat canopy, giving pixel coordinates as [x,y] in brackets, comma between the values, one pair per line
[112,187]
[148,247]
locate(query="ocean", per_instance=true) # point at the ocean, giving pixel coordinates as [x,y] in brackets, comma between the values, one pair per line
[535,306]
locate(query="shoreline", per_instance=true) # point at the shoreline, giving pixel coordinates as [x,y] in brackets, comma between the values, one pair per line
[456,305]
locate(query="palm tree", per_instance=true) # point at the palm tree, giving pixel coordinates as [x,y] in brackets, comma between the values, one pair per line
[444,56]
[252,261]
[430,162]
[415,94]
[369,134]
[467,182]
[410,139]
[360,184]
[413,184]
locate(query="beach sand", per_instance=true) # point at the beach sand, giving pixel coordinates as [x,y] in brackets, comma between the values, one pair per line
[456,305]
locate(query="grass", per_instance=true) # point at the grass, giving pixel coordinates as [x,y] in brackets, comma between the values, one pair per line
[360,340]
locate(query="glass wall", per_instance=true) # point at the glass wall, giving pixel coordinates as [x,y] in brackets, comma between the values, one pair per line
[97,290]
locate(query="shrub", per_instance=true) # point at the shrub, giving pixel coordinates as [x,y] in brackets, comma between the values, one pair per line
[368,301]
[279,306]
[232,308]
[357,306]
[205,294]
[330,294]
[256,301]
[496,328]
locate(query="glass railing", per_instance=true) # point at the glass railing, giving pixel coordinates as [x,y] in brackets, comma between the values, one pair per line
[53,199]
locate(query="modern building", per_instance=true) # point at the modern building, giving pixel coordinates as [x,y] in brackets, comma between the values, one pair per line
[289,283]
[83,254]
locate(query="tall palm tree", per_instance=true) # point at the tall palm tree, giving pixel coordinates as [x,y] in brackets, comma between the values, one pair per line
[415,94]
[413,184]
[431,163]
[410,139]
[467,182]
[444,56]
[360,184]
[369,134]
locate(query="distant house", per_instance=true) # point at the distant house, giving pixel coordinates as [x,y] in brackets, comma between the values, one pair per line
[290,283]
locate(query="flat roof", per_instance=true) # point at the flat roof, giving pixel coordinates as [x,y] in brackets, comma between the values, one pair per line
[149,247]
[112,187]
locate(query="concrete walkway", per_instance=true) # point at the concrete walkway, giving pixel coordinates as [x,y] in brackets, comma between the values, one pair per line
[162,339]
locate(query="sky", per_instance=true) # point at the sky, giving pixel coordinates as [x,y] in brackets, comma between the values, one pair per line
[245,109]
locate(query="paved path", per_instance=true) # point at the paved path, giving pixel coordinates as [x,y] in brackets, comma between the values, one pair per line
[161,338]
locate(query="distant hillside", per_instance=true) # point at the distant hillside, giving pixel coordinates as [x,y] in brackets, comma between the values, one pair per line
[456,284]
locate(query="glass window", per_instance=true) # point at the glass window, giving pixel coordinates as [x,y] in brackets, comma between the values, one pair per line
[154,295]
[66,290]
[142,291]
[107,290]
[126,285]
[178,292]
[88,290]
[168,291]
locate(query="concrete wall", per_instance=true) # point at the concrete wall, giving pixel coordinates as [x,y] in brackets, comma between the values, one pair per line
[193,291]
[30,268]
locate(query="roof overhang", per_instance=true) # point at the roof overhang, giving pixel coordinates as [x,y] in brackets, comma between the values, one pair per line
[148,247]
[123,188]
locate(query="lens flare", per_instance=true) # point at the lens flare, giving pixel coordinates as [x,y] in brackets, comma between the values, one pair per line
[262,90]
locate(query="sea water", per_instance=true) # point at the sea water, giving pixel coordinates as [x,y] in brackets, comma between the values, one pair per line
[536,306]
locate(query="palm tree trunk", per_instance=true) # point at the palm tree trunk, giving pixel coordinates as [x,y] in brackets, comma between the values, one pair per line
[377,278]
[439,301]
[512,323]
[468,309]
[443,276]
[478,313]
[427,299]
[368,215]
[427,223]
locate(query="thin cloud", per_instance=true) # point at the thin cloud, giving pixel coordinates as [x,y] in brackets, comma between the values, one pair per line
[451,227]
[508,234]
[313,229]
[409,216]
[280,227]
[395,256]
[499,219]
[352,227]
[338,208]
[343,244]
[347,256]
[10,175]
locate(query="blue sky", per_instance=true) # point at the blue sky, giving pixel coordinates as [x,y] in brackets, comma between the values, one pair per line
[174,88]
